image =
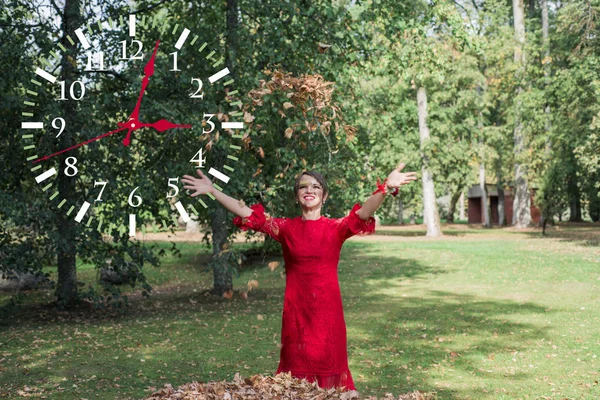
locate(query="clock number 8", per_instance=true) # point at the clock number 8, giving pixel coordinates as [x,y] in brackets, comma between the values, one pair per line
[71,161]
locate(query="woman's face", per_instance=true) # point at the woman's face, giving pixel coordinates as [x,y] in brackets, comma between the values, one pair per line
[310,192]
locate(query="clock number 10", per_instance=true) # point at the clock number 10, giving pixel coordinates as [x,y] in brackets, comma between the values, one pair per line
[74,95]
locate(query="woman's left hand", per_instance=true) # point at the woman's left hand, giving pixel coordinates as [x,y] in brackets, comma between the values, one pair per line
[397,178]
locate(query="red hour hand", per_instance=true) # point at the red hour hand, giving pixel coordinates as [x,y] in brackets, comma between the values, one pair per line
[162,125]
[148,72]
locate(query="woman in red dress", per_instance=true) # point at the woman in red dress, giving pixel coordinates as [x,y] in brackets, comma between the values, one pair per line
[313,333]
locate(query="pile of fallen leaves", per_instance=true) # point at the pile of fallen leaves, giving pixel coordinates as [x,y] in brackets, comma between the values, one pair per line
[258,387]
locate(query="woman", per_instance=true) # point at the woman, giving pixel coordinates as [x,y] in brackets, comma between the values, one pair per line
[313,334]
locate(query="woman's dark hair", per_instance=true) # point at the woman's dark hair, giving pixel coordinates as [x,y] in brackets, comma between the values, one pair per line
[315,175]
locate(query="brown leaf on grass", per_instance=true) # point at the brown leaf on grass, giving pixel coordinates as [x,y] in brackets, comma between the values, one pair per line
[248,117]
[288,133]
[258,171]
[287,105]
[228,294]
[261,152]
[252,283]
[273,265]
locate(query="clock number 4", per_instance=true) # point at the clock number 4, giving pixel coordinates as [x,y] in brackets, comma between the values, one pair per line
[138,54]
[198,159]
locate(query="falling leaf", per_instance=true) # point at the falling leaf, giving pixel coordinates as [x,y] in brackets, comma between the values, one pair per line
[273,265]
[252,283]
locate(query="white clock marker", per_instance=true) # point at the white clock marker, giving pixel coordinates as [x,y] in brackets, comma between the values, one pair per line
[219,175]
[232,125]
[82,211]
[49,77]
[42,177]
[132,225]
[82,38]
[32,125]
[184,215]
[219,75]
[182,39]
[132,26]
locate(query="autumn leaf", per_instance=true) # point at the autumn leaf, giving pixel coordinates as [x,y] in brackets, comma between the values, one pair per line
[273,265]
[252,284]
[288,133]
[287,105]
[228,294]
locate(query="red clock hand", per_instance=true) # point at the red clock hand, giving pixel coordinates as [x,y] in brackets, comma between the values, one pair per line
[148,72]
[79,145]
[162,125]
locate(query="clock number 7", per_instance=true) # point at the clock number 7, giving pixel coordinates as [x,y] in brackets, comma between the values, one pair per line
[103,184]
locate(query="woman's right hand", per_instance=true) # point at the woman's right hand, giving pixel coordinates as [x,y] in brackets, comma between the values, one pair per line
[199,186]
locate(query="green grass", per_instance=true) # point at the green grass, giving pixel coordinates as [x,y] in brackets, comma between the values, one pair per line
[475,315]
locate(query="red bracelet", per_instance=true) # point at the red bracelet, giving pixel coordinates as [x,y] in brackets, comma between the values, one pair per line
[382,187]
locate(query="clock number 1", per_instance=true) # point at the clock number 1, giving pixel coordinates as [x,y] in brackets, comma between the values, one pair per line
[174,62]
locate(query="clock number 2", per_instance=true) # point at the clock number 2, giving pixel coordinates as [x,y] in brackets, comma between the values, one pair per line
[138,54]
[195,95]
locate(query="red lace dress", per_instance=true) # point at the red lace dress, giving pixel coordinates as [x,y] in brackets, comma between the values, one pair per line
[313,333]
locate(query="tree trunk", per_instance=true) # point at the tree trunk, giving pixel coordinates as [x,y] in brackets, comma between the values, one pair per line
[400,211]
[521,203]
[501,206]
[66,289]
[461,204]
[574,199]
[546,47]
[485,203]
[222,270]
[431,216]
[413,219]
[452,208]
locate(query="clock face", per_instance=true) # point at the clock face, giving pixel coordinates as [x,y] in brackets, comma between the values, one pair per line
[132,110]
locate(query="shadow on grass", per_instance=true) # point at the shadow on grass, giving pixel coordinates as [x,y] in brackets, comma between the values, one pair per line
[583,233]
[413,340]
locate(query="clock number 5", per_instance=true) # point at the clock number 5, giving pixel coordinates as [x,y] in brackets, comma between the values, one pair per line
[172,184]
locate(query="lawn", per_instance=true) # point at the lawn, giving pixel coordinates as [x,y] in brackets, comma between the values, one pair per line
[476,314]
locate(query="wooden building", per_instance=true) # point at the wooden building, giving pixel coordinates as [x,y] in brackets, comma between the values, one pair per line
[475,205]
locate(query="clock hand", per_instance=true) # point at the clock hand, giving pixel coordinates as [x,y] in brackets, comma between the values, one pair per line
[161,125]
[79,145]
[148,72]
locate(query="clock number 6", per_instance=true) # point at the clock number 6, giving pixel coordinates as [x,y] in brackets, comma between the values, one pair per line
[138,199]
[172,184]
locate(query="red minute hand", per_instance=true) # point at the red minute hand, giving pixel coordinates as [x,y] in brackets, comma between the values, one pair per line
[148,72]
[79,145]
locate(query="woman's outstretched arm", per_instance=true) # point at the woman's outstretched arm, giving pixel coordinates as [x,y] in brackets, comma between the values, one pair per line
[203,185]
[395,179]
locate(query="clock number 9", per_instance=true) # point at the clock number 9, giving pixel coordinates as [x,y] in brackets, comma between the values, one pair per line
[172,184]
[61,127]
[138,199]
[137,55]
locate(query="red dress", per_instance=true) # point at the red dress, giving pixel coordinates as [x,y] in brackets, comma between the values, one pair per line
[313,332]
